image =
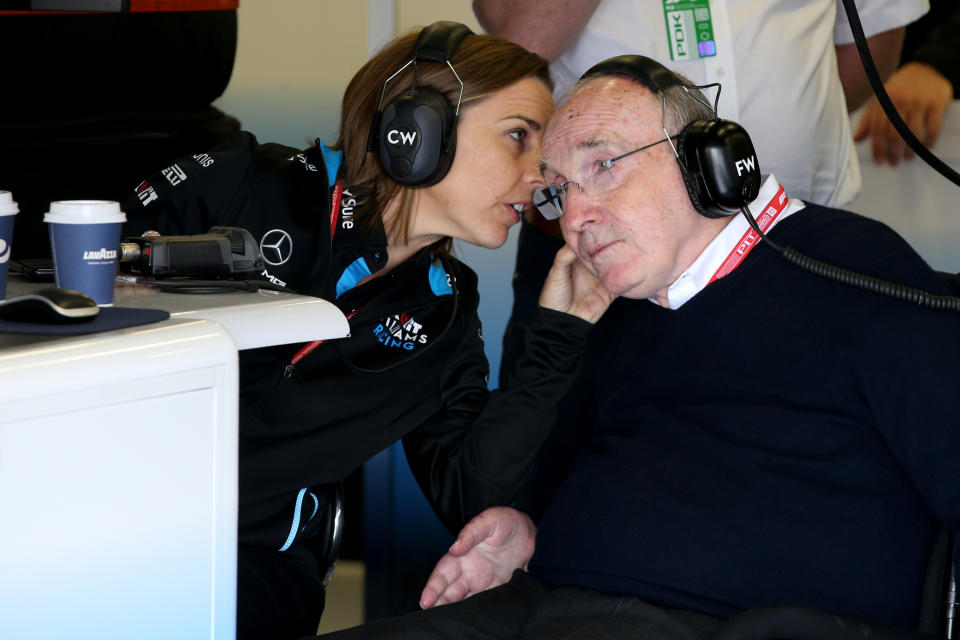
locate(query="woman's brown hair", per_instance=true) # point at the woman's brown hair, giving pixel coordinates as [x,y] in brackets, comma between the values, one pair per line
[484,63]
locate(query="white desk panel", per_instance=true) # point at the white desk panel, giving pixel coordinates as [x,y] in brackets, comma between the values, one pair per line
[118,465]
[118,483]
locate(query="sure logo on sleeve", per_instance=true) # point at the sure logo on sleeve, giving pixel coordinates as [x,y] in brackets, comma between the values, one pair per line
[203,159]
[347,205]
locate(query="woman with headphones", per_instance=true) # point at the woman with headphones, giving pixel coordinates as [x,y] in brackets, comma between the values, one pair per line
[440,139]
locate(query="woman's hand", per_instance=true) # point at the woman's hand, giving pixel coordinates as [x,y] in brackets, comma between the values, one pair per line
[921,95]
[572,289]
[484,556]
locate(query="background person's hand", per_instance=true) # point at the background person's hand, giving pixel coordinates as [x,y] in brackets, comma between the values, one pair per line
[921,95]
[572,289]
[484,556]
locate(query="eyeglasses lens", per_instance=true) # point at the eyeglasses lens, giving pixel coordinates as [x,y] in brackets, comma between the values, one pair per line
[549,200]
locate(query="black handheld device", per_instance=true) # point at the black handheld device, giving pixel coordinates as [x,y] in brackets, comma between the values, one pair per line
[222,252]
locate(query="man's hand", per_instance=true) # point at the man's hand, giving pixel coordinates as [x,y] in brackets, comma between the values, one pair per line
[921,95]
[484,556]
[885,50]
[572,289]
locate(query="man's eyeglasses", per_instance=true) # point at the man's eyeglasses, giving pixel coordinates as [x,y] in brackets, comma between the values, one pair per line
[551,199]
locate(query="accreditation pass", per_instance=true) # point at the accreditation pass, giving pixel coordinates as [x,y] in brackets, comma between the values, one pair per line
[689,29]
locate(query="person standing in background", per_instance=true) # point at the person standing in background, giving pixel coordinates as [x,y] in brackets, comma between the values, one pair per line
[790,71]
[921,88]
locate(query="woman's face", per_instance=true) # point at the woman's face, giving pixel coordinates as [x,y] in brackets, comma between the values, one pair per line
[495,168]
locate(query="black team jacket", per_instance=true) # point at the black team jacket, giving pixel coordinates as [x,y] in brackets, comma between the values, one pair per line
[413,367]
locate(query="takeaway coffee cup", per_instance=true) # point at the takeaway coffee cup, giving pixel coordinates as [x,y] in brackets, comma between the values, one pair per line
[8,209]
[85,238]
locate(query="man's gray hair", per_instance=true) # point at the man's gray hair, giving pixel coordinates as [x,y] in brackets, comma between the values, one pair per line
[682,103]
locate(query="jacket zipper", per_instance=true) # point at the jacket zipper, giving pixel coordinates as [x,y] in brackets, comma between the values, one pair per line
[306,350]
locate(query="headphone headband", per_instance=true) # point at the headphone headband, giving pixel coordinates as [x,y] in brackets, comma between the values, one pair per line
[439,41]
[716,157]
[647,71]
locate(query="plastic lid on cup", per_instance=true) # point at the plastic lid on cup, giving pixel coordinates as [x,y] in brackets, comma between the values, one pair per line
[8,206]
[84,212]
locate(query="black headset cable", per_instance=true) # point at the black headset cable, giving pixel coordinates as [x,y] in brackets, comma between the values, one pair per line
[854,279]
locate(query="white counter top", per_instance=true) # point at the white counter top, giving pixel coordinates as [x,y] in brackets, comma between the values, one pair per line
[254,319]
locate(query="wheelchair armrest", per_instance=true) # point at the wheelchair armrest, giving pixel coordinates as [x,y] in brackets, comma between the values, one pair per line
[801,623]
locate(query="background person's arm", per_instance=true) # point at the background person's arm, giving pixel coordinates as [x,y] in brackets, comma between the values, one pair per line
[546,28]
[885,50]
[921,95]
[922,88]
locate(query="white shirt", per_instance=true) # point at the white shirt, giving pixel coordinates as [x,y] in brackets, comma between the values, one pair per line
[701,271]
[779,76]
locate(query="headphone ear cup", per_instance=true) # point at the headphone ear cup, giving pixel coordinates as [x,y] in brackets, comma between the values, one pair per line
[687,155]
[417,137]
[720,166]
[691,183]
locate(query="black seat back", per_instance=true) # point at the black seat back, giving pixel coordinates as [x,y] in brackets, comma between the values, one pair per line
[935,619]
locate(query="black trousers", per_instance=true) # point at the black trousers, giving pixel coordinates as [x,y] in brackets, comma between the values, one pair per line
[279,595]
[524,608]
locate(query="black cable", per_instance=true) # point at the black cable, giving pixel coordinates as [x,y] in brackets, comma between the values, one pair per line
[861,41]
[854,279]
[189,286]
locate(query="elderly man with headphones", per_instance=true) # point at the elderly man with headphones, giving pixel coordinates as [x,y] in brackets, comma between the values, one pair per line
[749,432]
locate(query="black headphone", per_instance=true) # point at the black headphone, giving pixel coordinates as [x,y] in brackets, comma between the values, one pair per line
[415,136]
[716,157]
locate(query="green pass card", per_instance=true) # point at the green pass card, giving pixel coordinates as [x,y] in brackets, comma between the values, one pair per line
[689,29]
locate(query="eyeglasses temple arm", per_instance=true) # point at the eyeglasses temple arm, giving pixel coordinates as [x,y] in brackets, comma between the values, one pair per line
[607,163]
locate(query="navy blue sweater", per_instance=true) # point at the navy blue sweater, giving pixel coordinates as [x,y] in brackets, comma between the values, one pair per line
[779,439]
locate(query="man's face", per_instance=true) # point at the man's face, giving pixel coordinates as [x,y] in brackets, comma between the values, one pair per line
[638,231]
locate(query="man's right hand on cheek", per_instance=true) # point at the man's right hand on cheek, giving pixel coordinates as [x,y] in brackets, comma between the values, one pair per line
[571,288]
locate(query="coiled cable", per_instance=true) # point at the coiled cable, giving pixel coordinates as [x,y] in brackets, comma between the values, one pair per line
[854,279]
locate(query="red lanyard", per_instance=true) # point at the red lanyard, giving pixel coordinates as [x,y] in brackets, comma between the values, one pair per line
[334,214]
[749,239]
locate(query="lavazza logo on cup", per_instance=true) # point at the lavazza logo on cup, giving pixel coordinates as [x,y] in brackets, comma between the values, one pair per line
[85,237]
[99,255]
